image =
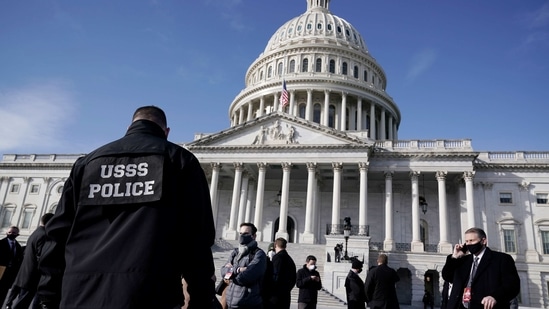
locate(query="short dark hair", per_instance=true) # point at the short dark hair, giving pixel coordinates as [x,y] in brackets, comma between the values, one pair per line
[383,258]
[476,230]
[310,258]
[46,217]
[254,229]
[281,242]
[151,113]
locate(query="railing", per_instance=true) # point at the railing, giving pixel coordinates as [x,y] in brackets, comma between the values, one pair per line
[403,247]
[337,229]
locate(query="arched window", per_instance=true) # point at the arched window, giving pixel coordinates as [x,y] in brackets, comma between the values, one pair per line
[292,66]
[318,65]
[305,65]
[331,116]
[344,68]
[365,75]
[332,66]
[261,75]
[302,109]
[270,72]
[316,113]
[355,72]
[280,69]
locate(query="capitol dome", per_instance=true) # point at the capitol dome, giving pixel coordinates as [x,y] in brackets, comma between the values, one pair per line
[330,77]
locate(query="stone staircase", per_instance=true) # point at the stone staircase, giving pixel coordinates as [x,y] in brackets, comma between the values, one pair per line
[299,252]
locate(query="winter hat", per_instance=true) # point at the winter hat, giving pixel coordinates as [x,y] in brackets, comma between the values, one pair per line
[356,264]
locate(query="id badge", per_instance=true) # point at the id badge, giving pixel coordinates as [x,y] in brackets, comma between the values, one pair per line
[228,275]
[467,294]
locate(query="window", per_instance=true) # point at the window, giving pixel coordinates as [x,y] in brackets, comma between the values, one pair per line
[506,198]
[365,75]
[331,116]
[292,66]
[305,65]
[35,188]
[270,72]
[509,241]
[15,188]
[318,66]
[332,66]
[309,26]
[27,217]
[261,75]
[316,113]
[6,218]
[319,26]
[344,68]
[329,27]
[541,198]
[280,69]
[545,241]
[355,72]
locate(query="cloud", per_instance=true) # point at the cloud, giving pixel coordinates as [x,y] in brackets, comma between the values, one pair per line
[421,62]
[34,116]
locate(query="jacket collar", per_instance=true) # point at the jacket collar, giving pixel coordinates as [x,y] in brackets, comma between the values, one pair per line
[146,127]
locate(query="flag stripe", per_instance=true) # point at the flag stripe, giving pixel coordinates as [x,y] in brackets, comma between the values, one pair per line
[284,96]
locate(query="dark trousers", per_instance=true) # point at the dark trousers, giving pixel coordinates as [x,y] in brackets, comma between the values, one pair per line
[21,298]
[353,304]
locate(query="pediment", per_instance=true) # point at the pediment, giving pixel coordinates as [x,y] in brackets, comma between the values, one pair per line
[278,129]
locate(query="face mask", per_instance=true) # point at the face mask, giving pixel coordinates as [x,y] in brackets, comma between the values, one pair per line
[358,271]
[311,267]
[475,248]
[12,236]
[245,239]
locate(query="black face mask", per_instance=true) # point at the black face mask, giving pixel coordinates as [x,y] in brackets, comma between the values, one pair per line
[475,248]
[12,236]
[245,239]
[358,271]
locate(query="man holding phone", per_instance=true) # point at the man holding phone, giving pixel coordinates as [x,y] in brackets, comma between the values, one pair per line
[482,279]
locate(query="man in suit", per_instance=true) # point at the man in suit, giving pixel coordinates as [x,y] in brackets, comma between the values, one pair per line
[380,285]
[354,286]
[284,276]
[11,255]
[482,279]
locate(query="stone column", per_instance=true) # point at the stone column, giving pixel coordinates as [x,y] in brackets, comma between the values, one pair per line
[258,215]
[468,177]
[326,118]
[309,106]
[343,118]
[261,106]
[372,120]
[213,189]
[337,167]
[417,244]
[283,220]
[382,129]
[390,128]
[291,109]
[240,116]
[359,115]
[250,111]
[243,198]
[248,212]
[275,103]
[308,236]
[363,199]
[444,245]
[388,244]
[232,233]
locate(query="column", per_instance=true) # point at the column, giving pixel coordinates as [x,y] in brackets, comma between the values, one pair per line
[258,215]
[444,245]
[232,233]
[240,116]
[468,176]
[243,198]
[417,244]
[309,106]
[372,121]
[359,115]
[363,200]
[248,215]
[250,110]
[275,103]
[261,106]
[343,118]
[337,167]
[390,128]
[213,189]
[292,110]
[283,220]
[326,108]
[382,129]
[308,236]
[388,243]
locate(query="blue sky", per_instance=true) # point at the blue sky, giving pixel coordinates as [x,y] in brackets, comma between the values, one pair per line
[73,72]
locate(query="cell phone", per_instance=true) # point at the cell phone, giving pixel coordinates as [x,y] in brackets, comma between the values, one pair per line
[464,248]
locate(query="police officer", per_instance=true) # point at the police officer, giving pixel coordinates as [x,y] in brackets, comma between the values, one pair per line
[127,213]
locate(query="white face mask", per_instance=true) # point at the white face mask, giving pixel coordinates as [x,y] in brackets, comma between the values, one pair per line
[311,267]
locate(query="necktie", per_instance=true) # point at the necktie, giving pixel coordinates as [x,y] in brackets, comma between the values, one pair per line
[471,276]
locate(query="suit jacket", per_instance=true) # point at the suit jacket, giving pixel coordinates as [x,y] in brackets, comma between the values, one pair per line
[284,276]
[380,287]
[6,255]
[496,276]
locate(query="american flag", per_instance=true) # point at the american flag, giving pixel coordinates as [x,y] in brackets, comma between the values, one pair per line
[284,95]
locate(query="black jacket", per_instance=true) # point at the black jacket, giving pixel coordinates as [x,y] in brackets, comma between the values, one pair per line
[496,276]
[284,276]
[354,287]
[308,288]
[29,275]
[134,217]
[380,287]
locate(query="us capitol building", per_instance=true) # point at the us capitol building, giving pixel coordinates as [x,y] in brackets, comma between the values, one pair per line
[327,165]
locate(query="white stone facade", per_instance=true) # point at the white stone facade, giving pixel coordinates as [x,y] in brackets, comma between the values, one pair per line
[332,153]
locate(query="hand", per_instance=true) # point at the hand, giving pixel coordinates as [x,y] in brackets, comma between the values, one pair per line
[489,302]
[241,269]
[457,251]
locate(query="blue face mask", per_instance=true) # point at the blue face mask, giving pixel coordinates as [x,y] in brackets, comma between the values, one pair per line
[245,239]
